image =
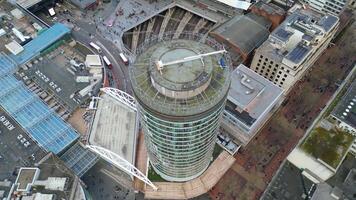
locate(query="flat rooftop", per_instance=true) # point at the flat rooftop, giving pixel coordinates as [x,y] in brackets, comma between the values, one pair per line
[41,42]
[52,74]
[345,109]
[330,146]
[270,8]
[44,126]
[345,177]
[12,151]
[12,17]
[114,127]
[293,40]
[251,93]
[25,177]
[287,184]
[215,81]
[247,32]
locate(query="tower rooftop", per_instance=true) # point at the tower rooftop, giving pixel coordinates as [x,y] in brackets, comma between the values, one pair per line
[182,88]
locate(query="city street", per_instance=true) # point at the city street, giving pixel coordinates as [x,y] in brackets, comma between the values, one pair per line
[85,33]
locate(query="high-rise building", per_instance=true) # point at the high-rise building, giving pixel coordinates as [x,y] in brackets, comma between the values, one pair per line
[293,47]
[181,87]
[332,7]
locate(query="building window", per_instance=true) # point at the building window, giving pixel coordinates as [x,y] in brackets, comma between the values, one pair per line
[268,70]
[263,67]
[288,71]
[258,64]
[261,56]
[266,74]
[266,59]
[279,72]
[283,79]
[275,69]
[273,73]
[278,76]
[269,66]
[271,62]
[285,75]
[281,83]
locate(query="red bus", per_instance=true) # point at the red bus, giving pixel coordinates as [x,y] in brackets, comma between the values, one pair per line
[107,62]
[124,59]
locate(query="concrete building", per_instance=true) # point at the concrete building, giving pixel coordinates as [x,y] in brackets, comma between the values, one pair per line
[85,4]
[272,12]
[250,102]
[345,113]
[331,7]
[293,47]
[119,138]
[242,35]
[180,102]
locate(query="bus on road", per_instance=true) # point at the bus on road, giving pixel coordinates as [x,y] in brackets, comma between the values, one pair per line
[107,62]
[95,46]
[124,59]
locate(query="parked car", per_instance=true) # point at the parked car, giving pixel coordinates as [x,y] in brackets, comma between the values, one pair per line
[19,137]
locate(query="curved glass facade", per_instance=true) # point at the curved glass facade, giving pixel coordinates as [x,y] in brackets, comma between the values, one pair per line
[180,102]
[182,149]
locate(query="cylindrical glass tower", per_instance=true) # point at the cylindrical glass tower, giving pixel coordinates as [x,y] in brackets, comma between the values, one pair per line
[181,98]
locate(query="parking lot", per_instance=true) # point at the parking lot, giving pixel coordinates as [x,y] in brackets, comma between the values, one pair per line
[13,152]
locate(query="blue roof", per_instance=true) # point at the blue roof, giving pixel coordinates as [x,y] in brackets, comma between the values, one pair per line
[7,65]
[40,43]
[282,34]
[298,53]
[327,22]
[43,125]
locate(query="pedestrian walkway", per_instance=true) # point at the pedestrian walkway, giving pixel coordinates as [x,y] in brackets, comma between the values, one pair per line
[141,161]
[195,187]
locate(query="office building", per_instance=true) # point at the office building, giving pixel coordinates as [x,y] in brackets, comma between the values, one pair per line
[331,7]
[250,103]
[293,47]
[181,92]
[242,35]
[345,113]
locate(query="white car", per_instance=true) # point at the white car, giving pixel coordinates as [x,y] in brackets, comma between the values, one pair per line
[23,140]
[26,144]
[19,137]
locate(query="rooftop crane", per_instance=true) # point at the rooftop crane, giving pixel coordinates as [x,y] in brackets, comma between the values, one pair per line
[160,65]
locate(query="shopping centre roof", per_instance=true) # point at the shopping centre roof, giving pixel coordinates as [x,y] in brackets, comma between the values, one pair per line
[40,43]
[43,125]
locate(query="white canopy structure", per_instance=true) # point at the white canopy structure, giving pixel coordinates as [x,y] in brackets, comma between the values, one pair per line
[236,4]
[121,163]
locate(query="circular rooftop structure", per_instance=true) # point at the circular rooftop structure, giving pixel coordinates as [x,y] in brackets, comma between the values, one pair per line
[181,87]
[181,80]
